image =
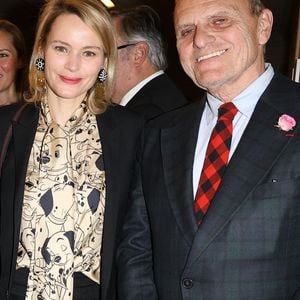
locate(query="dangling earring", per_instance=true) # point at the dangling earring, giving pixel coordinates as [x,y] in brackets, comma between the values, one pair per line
[40,76]
[40,64]
[99,86]
[102,75]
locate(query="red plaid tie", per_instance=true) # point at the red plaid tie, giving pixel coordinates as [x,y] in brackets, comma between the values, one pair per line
[216,159]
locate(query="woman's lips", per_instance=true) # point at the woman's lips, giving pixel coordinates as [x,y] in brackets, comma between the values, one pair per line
[70,80]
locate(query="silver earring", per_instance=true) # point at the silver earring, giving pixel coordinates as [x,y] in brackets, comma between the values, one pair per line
[40,64]
[102,75]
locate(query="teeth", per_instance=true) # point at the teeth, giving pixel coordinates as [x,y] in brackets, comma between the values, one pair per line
[217,53]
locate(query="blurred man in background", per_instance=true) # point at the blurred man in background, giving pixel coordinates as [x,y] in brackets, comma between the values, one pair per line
[141,83]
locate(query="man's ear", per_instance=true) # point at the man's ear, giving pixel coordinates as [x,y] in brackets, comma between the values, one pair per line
[141,53]
[265,23]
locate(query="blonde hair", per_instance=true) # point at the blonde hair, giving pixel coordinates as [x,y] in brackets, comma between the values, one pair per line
[93,14]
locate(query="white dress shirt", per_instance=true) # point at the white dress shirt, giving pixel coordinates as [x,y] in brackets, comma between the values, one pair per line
[128,96]
[245,103]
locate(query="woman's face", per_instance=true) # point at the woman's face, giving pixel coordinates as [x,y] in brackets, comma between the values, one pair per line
[73,58]
[8,62]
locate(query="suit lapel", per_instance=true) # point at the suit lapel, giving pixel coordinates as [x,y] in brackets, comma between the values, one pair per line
[178,149]
[109,135]
[259,148]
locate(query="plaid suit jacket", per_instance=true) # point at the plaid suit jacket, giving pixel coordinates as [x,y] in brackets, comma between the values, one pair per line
[248,246]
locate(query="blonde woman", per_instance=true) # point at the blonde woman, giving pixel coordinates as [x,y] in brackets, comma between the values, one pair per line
[67,170]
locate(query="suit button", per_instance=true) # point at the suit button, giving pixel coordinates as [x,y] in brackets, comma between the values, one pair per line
[187,283]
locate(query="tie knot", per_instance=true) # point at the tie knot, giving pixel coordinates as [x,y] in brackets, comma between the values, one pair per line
[227,111]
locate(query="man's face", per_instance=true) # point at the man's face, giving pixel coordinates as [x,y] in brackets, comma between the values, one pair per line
[220,43]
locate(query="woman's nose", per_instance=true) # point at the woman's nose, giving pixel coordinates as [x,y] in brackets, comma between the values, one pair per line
[73,62]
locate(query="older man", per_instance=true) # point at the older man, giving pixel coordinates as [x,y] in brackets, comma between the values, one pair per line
[216,196]
[141,83]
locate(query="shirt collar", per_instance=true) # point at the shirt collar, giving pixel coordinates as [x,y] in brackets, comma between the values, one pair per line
[79,114]
[129,95]
[246,100]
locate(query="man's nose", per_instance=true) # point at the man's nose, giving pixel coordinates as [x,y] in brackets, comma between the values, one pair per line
[202,37]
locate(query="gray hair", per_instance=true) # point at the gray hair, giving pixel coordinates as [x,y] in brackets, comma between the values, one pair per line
[142,23]
[256,7]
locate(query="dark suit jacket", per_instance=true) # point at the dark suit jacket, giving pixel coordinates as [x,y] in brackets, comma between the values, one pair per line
[156,97]
[248,246]
[120,130]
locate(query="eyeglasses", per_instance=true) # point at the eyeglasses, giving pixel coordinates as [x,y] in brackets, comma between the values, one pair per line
[126,45]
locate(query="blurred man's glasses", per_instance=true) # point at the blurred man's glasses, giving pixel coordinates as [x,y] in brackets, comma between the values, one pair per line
[126,45]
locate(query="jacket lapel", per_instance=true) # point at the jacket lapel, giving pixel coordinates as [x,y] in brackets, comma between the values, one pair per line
[259,148]
[22,139]
[23,135]
[109,135]
[178,149]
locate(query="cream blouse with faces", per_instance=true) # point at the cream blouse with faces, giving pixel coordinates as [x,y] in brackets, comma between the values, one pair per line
[63,208]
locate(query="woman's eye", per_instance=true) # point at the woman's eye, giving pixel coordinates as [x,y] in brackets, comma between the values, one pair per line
[61,49]
[89,53]
[3,55]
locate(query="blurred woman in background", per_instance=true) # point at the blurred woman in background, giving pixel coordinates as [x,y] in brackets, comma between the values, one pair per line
[13,63]
[66,175]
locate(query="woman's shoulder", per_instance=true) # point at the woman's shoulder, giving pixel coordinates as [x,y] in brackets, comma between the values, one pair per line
[10,107]
[8,111]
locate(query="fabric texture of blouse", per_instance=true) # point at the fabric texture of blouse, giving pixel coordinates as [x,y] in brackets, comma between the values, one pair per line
[63,208]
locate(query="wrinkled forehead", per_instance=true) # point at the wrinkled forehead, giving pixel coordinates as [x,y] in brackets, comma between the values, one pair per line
[193,9]
[185,4]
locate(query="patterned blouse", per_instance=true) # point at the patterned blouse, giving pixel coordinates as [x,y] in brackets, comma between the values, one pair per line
[63,208]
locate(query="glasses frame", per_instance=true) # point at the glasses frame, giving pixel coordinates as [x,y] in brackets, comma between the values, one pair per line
[126,45]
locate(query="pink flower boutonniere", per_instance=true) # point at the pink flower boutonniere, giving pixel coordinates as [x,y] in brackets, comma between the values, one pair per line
[286,123]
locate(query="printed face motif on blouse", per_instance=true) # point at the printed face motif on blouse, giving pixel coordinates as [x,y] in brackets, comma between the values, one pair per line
[63,208]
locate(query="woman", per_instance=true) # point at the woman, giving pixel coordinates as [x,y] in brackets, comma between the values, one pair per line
[12,63]
[67,170]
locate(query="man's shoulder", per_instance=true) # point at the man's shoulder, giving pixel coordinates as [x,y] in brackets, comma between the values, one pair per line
[118,115]
[283,93]
[165,81]
[177,116]
[161,87]
[283,83]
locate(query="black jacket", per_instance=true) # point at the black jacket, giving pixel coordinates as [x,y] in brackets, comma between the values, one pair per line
[120,130]
[159,95]
[248,245]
